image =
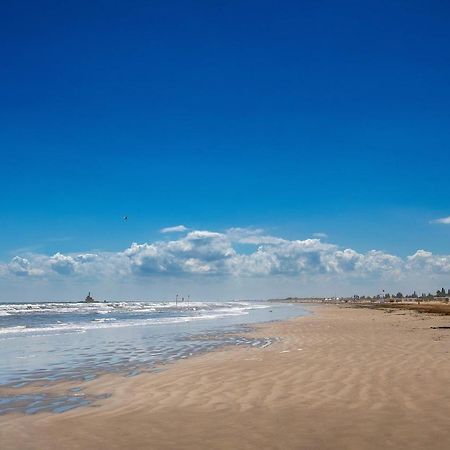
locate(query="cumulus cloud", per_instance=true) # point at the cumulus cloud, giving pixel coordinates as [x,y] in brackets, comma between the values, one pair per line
[424,261]
[20,266]
[443,220]
[62,264]
[212,253]
[197,252]
[23,267]
[175,229]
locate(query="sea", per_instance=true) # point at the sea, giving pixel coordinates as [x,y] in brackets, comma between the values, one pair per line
[43,343]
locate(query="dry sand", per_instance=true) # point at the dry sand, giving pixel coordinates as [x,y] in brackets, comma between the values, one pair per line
[343,378]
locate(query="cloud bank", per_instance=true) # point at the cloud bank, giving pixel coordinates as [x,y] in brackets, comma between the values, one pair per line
[237,253]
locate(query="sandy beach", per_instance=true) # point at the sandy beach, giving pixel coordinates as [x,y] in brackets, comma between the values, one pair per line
[342,378]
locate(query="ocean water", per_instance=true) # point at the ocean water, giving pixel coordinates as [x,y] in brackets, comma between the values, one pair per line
[46,342]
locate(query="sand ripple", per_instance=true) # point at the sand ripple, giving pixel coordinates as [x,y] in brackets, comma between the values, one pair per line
[363,379]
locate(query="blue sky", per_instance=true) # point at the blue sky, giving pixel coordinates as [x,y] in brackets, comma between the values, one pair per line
[294,118]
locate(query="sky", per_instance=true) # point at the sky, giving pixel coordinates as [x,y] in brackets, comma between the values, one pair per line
[298,148]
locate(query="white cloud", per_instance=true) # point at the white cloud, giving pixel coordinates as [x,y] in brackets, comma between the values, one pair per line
[19,266]
[175,229]
[377,261]
[320,235]
[255,236]
[197,252]
[443,220]
[86,258]
[220,254]
[62,264]
[22,267]
[426,262]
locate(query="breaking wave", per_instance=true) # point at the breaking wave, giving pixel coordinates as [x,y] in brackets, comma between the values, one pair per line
[50,318]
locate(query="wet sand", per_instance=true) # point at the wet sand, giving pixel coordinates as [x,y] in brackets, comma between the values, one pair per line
[343,378]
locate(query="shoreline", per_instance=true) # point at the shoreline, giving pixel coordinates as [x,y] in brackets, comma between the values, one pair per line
[341,378]
[226,336]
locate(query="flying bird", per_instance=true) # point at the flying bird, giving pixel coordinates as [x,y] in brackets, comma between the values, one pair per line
[125,218]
